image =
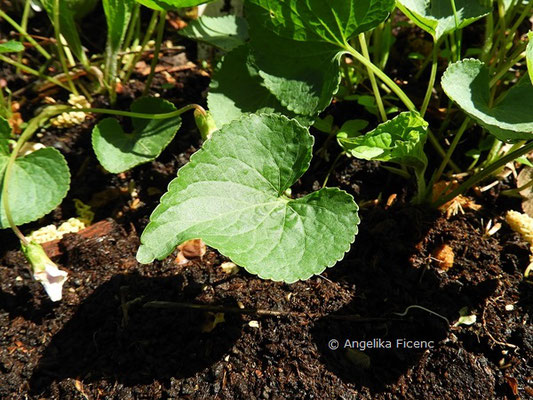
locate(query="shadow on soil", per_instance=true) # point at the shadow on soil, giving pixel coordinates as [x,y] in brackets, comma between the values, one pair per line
[391,270]
[113,336]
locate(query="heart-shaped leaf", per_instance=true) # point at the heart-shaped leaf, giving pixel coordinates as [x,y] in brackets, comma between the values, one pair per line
[467,83]
[236,88]
[11,46]
[297,45]
[400,140]
[38,184]
[118,151]
[437,17]
[226,33]
[231,195]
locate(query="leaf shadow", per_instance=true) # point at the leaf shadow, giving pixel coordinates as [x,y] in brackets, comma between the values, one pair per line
[113,336]
[389,279]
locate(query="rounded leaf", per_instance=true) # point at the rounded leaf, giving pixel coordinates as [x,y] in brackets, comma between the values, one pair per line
[231,195]
[38,184]
[467,83]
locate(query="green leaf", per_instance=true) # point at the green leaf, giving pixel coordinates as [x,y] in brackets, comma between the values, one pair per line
[67,27]
[352,128]
[400,140]
[118,151]
[297,45]
[161,5]
[5,135]
[529,55]
[231,194]
[81,8]
[437,16]
[225,33]
[236,88]
[11,46]
[467,83]
[118,15]
[38,184]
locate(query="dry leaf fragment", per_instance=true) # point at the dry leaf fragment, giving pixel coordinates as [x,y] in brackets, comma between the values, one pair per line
[456,205]
[524,178]
[444,256]
[194,248]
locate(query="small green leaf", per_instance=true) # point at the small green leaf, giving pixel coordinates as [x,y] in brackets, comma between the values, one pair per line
[529,56]
[352,128]
[400,140]
[231,194]
[11,47]
[118,151]
[236,88]
[162,5]
[38,184]
[225,33]
[5,135]
[118,15]
[467,83]
[437,16]
[297,45]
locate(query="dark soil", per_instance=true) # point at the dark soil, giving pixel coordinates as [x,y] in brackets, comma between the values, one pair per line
[107,339]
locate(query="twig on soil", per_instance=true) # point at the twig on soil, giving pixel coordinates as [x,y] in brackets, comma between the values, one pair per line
[512,346]
[425,309]
[261,312]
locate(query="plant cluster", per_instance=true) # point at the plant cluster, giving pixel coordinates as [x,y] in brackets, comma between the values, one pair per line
[283,65]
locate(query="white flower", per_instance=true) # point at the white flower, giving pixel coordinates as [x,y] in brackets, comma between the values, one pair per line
[44,270]
[52,278]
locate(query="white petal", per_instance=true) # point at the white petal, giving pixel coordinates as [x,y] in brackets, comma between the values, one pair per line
[52,278]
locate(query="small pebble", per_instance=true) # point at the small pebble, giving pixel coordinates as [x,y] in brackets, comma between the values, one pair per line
[253,324]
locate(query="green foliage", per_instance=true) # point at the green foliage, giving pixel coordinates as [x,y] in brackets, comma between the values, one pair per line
[5,135]
[162,5]
[438,18]
[467,83]
[400,140]
[67,26]
[297,45]
[225,33]
[81,8]
[39,181]
[11,46]
[231,194]
[529,55]
[118,15]
[118,151]
[237,88]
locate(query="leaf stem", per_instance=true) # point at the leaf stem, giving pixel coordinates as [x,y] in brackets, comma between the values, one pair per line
[32,71]
[155,59]
[60,49]
[383,76]
[132,114]
[146,39]
[433,75]
[371,76]
[450,151]
[25,34]
[484,173]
